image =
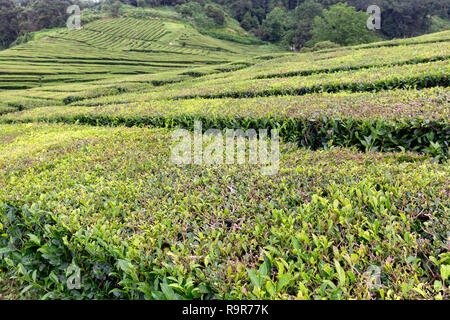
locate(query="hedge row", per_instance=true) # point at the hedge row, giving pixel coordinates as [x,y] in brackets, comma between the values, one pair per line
[426,39]
[416,135]
[350,68]
[417,82]
[109,201]
[233,38]
[100,92]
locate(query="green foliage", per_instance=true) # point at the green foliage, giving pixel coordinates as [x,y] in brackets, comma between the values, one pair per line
[203,17]
[438,24]
[429,137]
[318,127]
[325,45]
[305,14]
[400,18]
[329,61]
[148,229]
[274,25]
[357,210]
[9,23]
[343,25]
[249,22]
[233,38]
[39,251]
[406,18]
[215,13]
[417,76]
[112,7]
[156,45]
[22,39]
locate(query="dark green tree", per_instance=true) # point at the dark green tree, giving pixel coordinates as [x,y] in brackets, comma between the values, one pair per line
[343,25]
[9,23]
[405,18]
[304,17]
[249,22]
[240,7]
[43,14]
[115,8]
[274,26]
[215,13]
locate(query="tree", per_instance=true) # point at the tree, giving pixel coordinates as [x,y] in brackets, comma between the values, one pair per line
[273,26]
[405,18]
[42,14]
[240,8]
[249,22]
[9,24]
[115,8]
[288,22]
[215,13]
[203,17]
[343,25]
[441,8]
[189,9]
[305,14]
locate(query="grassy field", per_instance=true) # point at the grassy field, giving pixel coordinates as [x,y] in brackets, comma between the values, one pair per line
[359,208]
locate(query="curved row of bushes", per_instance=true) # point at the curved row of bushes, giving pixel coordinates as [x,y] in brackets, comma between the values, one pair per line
[416,82]
[110,202]
[416,135]
[350,68]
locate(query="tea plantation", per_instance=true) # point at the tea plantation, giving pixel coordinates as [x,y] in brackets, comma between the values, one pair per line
[359,208]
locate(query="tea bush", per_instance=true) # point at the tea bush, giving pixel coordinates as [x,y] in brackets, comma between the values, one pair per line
[357,210]
[109,201]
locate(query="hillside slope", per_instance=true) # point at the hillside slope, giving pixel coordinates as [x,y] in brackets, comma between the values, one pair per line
[115,46]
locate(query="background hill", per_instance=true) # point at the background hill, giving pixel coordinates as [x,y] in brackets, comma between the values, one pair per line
[293,23]
[141,42]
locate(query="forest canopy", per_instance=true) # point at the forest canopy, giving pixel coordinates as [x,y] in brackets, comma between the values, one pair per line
[294,23]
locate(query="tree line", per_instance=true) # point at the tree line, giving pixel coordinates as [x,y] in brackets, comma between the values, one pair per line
[20,17]
[294,23]
[302,22]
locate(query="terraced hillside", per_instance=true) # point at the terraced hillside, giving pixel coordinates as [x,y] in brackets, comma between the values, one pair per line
[106,48]
[358,209]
